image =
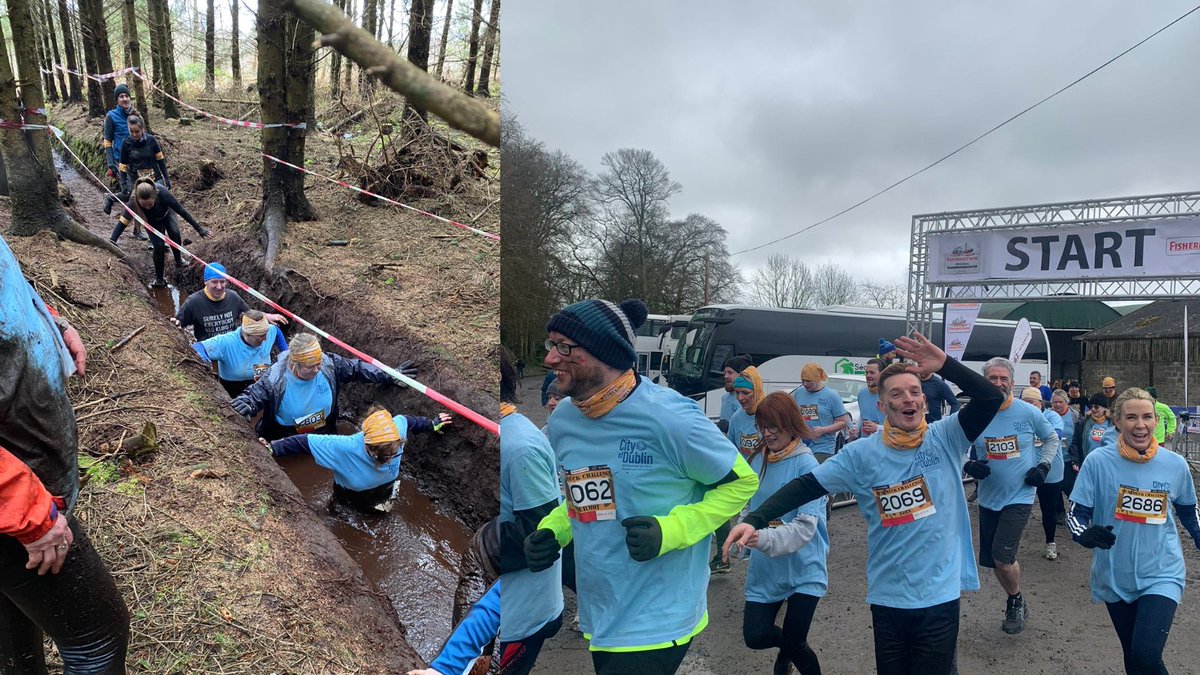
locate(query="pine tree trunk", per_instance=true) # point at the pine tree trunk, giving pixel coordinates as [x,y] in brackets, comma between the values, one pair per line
[166,49]
[45,62]
[420,32]
[346,86]
[235,59]
[392,26]
[335,62]
[135,60]
[489,46]
[97,32]
[95,95]
[210,49]
[48,12]
[152,24]
[366,83]
[445,36]
[68,34]
[473,46]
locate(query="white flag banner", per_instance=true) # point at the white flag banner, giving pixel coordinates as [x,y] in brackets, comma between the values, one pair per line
[960,321]
[1153,248]
[1021,339]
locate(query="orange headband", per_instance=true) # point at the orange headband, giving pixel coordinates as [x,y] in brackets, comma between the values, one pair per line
[813,372]
[307,357]
[252,327]
[379,428]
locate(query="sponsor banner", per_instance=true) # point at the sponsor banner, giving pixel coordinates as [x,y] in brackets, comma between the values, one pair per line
[1021,338]
[960,322]
[1164,247]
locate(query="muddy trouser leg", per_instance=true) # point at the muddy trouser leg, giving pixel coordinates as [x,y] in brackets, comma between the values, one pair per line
[79,608]
[650,662]
[915,641]
[173,233]
[518,657]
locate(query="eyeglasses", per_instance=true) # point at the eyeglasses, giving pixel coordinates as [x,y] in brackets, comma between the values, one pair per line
[560,347]
[767,430]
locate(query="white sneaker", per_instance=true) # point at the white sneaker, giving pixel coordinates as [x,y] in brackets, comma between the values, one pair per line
[1051,551]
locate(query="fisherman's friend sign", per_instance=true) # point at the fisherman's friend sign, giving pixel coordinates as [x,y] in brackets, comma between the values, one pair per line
[1169,247]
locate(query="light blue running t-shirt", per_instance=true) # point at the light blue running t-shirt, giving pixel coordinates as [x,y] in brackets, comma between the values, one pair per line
[238,361]
[353,468]
[774,579]
[820,410]
[1008,445]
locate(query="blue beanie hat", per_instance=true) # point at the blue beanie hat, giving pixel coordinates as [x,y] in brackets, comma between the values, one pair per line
[121,89]
[210,272]
[885,347]
[605,329]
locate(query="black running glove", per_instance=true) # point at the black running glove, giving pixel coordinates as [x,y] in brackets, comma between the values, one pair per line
[1037,475]
[541,550]
[1097,537]
[407,369]
[977,468]
[643,536]
[242,406]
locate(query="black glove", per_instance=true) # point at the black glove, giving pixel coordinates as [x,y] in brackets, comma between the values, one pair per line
[723,426]
[1097,537]
[643,536]
[204,232]
[407,369]
[1037,475]
[977,468]
[541,550]
[242,406]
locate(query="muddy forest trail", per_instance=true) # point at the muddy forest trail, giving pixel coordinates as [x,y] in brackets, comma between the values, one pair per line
[225,564]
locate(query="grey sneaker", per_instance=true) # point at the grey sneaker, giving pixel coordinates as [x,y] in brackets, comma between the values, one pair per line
[1014,617]
[718,566]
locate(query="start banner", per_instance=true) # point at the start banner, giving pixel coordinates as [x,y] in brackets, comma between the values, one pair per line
[1168,247]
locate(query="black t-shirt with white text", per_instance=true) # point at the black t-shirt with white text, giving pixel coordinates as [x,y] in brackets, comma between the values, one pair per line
[208,318]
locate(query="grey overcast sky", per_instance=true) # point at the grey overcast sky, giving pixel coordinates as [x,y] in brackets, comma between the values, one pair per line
[773,115]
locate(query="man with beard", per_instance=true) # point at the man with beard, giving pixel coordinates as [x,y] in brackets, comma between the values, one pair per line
[732,367]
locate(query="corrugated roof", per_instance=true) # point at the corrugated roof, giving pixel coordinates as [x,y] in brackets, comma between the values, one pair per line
[1160,319]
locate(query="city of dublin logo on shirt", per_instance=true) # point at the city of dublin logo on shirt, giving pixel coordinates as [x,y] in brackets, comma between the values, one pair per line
[926,459]
[635,454]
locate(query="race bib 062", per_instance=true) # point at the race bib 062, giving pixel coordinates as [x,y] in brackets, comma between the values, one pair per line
[1145,507]
[590,494]
[1002,448]
[903,502]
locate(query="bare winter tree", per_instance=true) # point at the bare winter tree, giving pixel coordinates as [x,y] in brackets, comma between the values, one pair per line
[782,282]
[235,58]
[210,48]
[882,295]
[833,285]
[473,46]
[441,62]
[489,48]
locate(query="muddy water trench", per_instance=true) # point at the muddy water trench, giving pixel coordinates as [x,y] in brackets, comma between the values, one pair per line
[412,554]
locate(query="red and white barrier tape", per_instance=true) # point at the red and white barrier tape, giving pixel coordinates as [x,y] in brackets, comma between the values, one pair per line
[99,78]
[429,392]
[218,118]
[490,235]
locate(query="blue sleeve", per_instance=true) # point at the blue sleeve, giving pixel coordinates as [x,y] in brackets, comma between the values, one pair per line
[701,451]
[1079,519]
[1186,513]
[199,347]
[419,425]
[280,341]
[292,445]
[531,481]
[835,404]
[838,473]
[471,636]
[950,397]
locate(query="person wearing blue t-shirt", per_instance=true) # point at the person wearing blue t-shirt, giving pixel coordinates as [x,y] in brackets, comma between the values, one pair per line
[1119,508]
[533,601]
[748,392]
[822,408]
[244,355]
[470,637]
[365,465]
[1049,493]
[1094,428]
[1044,390]
[730,370]
[787,558]
[1009,463]
[907,481]
[648,478]
[870,419]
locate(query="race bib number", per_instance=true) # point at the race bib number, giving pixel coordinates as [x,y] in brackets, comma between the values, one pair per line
[748,443]
[775,523]
[809,412]
[1147,507]
[260,369]
[1002,448]
[310,423]
[903,502]
[1098,434]
[590,494]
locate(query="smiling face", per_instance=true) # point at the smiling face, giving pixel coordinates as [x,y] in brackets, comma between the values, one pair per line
[1035,380]
[1136,423]
[1060,405]
[579,374]
[775,439]
[1001,378]
[872,373]
[903,401]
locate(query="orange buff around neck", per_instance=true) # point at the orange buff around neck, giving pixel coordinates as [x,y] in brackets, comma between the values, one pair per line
[210,296]
[813,372]
[1007,402]
[790,450]
[379,428]
[874,389]
[310,356]
[507,409]
[899,439]
[252,327]
[1135,456]
[602,402]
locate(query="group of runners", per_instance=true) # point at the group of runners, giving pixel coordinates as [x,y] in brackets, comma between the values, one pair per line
[644,478]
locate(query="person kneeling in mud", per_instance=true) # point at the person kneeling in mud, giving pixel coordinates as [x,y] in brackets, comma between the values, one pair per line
[366,466]
[155,204]
[299,394]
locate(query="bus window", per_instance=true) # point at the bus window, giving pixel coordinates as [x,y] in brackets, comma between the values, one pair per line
[643,360]
[721,354]
[656,359]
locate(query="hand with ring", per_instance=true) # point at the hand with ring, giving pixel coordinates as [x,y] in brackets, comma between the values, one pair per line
[48,553]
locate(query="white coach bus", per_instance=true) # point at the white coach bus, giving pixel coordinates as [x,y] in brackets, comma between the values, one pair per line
[840,339]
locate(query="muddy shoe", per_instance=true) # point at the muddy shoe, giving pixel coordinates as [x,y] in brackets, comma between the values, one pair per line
[717,566]
[1051,551]
[108,204]
[1014,616]
[158,283]
[783,665]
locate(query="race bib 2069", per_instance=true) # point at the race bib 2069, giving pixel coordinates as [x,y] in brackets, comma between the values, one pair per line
[903,502]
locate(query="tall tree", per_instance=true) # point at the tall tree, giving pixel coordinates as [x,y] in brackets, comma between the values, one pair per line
[335,62]
[833,285]
[135,59]
[166,49]
[43,52]
[350,10]
[96,32]
[95,95]
[32,179]
[441,62]
[235,58]
[489,46]
[68,33]
[210,48]
[783,282]
[153,24]
[285,54]
[366,83]
[48,12]
[392,26]
[420,32]
[882,295]
[473,46]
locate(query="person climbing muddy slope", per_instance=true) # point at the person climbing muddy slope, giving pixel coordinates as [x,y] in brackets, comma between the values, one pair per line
[155,204]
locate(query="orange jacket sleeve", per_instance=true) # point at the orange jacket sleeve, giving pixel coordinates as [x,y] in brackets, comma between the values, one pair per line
[26,509]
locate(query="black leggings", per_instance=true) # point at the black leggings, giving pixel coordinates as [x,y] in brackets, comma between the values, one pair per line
[1143,627]
[79,608]
[760,632]
[651,662]
[915,641]
[1051,503]
[171,229]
